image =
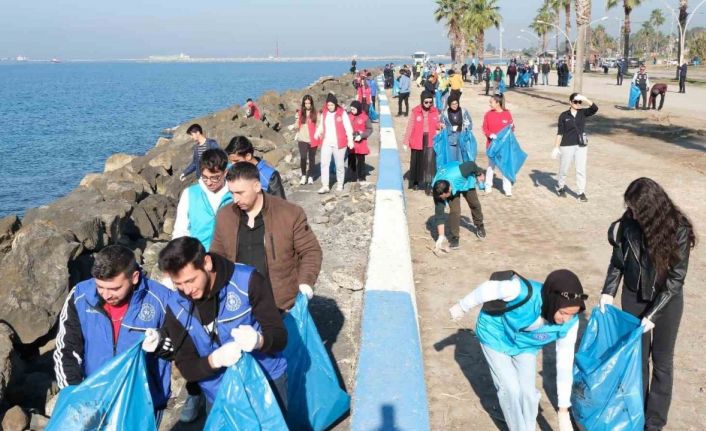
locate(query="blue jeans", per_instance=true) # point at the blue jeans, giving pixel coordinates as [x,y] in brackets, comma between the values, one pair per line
[514,378]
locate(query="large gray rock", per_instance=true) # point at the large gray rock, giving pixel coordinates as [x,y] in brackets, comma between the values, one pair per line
[11,366]
[149,215]
[8,227]
[117,161]
[15,420]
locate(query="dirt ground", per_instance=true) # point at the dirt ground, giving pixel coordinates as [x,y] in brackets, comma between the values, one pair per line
[535,232]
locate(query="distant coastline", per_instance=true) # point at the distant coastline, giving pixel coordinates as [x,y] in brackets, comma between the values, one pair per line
[187,59]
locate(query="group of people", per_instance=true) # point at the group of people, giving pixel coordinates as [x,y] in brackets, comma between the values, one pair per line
[239,255]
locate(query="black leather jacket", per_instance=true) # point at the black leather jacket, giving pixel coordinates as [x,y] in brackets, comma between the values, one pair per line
[630,260]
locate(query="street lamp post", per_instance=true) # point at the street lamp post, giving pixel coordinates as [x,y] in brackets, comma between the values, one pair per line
[568,39]
[682,30]
[539,41]
[500,31]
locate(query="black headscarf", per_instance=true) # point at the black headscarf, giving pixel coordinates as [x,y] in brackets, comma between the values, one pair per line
[358,106]
[562,288]
[332,98]
[426,95]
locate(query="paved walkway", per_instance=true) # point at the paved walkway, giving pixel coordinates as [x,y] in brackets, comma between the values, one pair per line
[535,232]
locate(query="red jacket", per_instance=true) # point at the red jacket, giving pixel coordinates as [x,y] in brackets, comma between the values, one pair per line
[359,122]
[315,143]
[364,94]
[341,137]
[415,128]
[254,111]
[494,121]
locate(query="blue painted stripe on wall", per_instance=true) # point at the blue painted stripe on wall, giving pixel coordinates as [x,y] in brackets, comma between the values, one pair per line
[390,391]
[389,171]
[386,121]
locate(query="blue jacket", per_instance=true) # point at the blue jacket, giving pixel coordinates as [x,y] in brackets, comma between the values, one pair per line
[234,310]
[405,83]
[505,333]
[452,173]
[202,219]
[373,87]
[195,159]
[270,180]
[84,342]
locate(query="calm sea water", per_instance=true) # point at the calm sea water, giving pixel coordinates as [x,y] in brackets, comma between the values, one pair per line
[61,121]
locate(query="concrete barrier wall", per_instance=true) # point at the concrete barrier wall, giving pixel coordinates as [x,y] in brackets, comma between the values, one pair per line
[390,392]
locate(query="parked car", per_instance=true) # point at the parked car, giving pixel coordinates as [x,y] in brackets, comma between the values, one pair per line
[634,61]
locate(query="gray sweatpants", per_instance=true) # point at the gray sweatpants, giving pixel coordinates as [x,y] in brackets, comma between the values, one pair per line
[578,155]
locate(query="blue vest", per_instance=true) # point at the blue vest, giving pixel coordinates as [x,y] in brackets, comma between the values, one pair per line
[147,309]
[234,310]
[505,333]
[452,173]
[202,219]
[266,172]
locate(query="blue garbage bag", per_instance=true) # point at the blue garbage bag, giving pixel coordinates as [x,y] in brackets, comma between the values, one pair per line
[245,401]
[501,87]
[468,146]
[607,390]
[116,397]
[441,148]
[523,80]
[506,154]
[568,79]
[438,101]
[372,113]
[395,88]
[634,96]
[316,399]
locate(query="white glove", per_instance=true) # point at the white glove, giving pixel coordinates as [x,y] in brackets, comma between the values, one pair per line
[442,244]
[307,291]
[604,300]
[182,177]
[246,337]
[226,355]
[358,138]
[351,145]
[493,136]
[457,312]
[564,421]
[555,153]
[317,135]
[151,341]
[647,325]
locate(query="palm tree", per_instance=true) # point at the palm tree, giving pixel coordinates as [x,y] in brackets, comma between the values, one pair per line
[583,16]
[683,6]
[542,23]
[557,5]
[628,6]
[479,16]
[452,11]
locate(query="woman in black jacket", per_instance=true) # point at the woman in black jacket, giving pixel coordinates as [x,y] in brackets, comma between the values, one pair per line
[651,252]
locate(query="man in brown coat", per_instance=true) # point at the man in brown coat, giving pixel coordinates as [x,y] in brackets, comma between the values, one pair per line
[268,233]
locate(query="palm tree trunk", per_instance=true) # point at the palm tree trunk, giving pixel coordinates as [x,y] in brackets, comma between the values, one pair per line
[683,6]
[583,13]
[567,29]
[626,46]
[480,46]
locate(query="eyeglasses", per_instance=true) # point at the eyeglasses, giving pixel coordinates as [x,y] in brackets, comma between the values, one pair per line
[213,179]
[427,102]
[571,295]
[578,102]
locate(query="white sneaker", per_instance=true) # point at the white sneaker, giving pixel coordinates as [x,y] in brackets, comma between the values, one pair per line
[488,190]
[311,180]
[323,190]
[302,181]
[192,408]
[363,183]
[339,188]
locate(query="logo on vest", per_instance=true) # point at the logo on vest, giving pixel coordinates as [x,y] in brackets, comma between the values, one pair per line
[339,119]
[232,301]
[419,118]
[541,337]
[147,312]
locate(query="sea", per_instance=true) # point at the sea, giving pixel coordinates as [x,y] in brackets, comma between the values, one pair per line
[61,121]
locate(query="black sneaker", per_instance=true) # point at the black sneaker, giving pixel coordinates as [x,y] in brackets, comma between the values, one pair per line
[583,198]
[453,244]
[561,192]
[480,232]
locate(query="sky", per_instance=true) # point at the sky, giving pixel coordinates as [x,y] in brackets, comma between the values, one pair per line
[128,29]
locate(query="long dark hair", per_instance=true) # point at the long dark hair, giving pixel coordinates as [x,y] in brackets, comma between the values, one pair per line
[302,112]
[659,218]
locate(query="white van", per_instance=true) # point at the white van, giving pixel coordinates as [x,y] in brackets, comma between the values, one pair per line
[420,57]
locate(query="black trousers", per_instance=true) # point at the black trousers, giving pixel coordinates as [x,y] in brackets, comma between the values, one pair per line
[403,97]
[372,98]
[356,163]
[307,154]
[653,101]
[487,86]
[657,344]
[682,84]
[620,79]
[422,165]
[512,80]
[643,94]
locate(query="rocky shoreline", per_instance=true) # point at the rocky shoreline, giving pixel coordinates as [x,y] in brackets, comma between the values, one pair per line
[133,202]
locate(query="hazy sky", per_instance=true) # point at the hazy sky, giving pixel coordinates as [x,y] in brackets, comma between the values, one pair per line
[90,29]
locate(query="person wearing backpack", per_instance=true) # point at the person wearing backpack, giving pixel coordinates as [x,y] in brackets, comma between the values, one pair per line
[571,143]
[519,317]
[651,248]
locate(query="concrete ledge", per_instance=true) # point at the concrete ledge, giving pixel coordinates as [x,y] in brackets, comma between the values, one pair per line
[390,392]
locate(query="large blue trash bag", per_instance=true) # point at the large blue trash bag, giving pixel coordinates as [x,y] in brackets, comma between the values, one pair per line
[468,146]
[634,96]
[395,88]
[607,391]
[372,113]
[438,100]
[441,148]
[116,397]
[523,79]
[501,87]
[245,401]
[506,154]
[316,399]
